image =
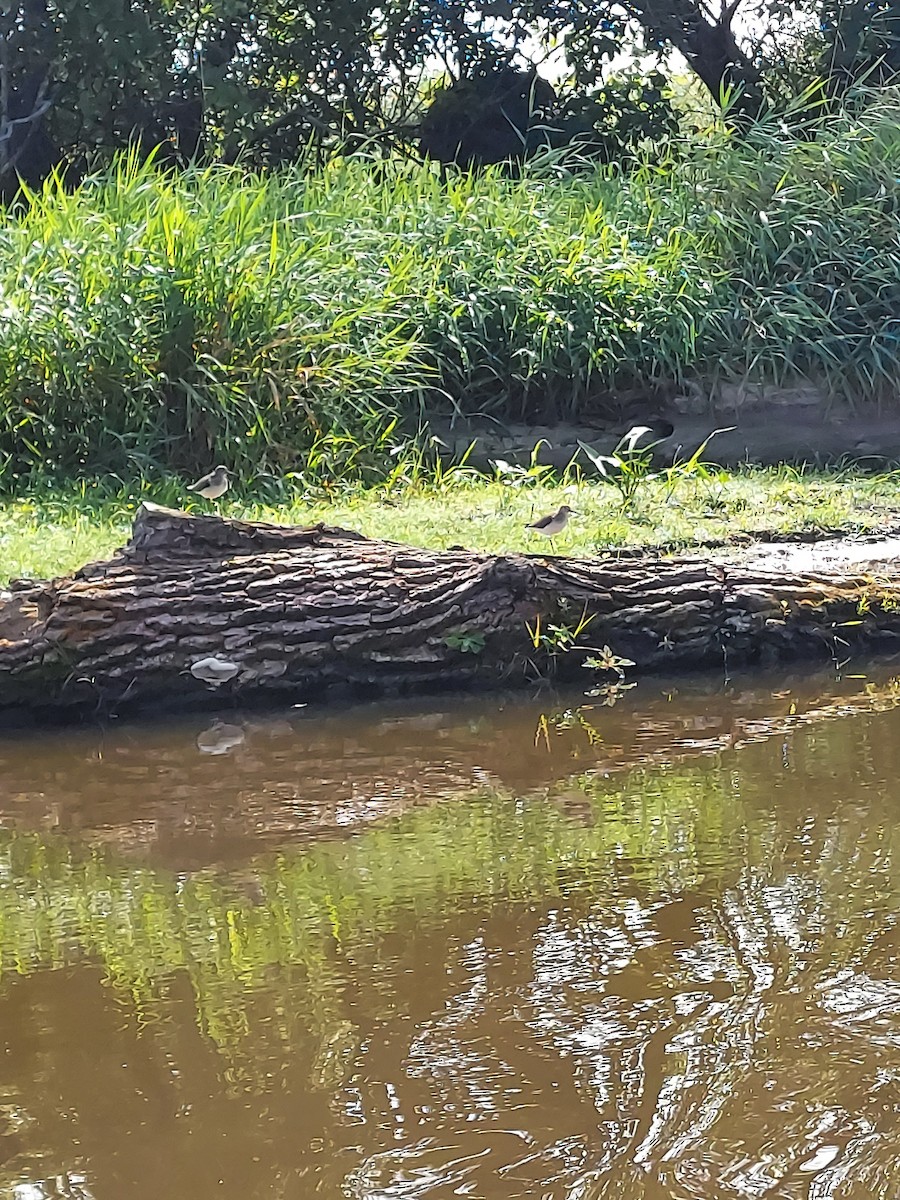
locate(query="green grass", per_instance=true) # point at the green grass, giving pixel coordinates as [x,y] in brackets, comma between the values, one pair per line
[305,322]
[54,533]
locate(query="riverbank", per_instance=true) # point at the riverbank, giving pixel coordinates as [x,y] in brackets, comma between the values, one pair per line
[59,531]
[311,323]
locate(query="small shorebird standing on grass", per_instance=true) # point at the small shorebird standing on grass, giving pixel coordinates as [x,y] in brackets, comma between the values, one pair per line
[213,485]
[553,524]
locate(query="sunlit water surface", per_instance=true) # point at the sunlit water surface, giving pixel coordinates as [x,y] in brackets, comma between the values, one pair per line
[496,949]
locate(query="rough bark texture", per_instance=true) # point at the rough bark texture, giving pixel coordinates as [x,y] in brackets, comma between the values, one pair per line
[304,613]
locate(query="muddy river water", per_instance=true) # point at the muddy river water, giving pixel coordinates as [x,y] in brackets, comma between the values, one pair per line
[547,948]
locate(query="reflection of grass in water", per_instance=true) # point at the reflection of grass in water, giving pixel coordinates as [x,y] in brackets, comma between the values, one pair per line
[60,900]
[300,910]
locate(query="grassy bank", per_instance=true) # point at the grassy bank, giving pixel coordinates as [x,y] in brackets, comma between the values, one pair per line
[284,324]
[58,532]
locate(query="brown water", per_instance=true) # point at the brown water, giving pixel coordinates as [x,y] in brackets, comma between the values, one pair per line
[498,950]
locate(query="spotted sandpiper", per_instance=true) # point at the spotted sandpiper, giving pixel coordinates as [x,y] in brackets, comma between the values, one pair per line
[213,485]
[553,524]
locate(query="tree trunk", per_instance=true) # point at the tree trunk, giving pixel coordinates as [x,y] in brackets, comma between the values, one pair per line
[303,613]
[724,69]
[711,49]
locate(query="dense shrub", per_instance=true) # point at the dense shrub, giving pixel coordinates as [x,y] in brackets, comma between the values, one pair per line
[287,322]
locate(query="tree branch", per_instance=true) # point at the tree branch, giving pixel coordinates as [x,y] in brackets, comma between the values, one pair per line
[42,105]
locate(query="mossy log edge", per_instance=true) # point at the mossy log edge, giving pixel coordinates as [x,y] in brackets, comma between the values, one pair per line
[309,613]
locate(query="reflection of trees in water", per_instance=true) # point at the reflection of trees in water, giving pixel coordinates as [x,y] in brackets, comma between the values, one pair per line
[689,954]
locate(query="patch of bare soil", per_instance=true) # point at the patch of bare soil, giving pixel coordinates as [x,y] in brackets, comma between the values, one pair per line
[788,426]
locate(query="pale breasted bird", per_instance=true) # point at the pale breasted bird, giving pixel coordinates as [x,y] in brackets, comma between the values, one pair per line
[553,524]
[213,485]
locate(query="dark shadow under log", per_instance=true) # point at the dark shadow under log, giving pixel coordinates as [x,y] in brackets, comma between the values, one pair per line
[299,614]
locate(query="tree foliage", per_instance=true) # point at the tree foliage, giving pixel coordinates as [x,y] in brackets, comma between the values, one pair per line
[259,81]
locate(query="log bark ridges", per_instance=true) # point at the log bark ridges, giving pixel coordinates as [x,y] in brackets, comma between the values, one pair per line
[307,612]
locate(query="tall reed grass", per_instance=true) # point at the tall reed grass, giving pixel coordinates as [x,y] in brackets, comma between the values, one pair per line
[305,321]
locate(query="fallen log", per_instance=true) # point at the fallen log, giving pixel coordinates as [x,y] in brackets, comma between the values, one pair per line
[201,612]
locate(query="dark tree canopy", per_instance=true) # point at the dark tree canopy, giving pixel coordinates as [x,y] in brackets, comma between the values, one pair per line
[490,116]
[262,80]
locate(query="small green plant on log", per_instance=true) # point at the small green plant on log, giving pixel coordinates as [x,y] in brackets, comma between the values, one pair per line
[466,641]
[557,638]
[605,660]
[554,639]
[876,600]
